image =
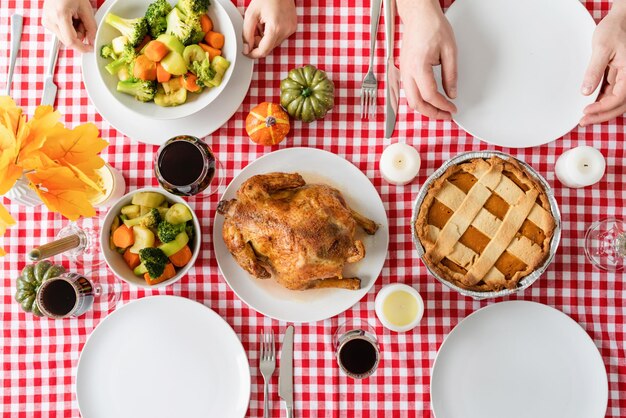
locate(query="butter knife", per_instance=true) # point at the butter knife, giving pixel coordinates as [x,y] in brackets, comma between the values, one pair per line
[17,23]
[285,377]
[49,88]
[392,74]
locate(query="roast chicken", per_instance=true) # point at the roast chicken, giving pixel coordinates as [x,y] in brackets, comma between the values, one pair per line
[301,234]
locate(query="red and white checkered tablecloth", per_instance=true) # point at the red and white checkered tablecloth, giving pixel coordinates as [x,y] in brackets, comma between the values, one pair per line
[40,356]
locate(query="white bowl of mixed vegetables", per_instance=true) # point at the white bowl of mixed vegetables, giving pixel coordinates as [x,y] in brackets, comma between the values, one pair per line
[165,59]
[150,238]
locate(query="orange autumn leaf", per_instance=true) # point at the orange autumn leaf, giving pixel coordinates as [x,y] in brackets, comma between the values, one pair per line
[79,147]
[10,114]
[36,131]
[9,170]
[62,191]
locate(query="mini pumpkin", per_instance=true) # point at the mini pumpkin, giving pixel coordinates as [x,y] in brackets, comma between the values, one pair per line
[307,94]
[267,124]
[33,275]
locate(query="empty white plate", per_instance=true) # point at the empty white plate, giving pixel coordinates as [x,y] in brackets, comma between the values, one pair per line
[163,357]
[520,68]
[518,360]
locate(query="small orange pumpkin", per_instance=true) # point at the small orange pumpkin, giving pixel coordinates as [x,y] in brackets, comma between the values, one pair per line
[267,124]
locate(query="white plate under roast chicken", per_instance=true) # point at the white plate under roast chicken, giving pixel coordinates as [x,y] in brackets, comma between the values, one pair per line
[301,234]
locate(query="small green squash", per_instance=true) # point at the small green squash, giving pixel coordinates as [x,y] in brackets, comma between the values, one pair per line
[307,94]
[33,275]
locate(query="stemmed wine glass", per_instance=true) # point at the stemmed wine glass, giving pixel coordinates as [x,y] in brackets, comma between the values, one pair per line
[605,244]
[186,166]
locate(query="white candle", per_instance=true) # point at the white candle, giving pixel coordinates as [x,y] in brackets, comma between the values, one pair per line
[399,307]
[399,163]
[114,185]
[580,167]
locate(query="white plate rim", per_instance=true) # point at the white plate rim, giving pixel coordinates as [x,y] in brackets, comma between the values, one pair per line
[157,131]
[180,299]
[597,358]
[220,255]
[592,97]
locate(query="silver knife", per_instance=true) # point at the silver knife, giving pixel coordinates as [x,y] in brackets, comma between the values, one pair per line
[49,88]
[392,74]
[285,378]
[17,23]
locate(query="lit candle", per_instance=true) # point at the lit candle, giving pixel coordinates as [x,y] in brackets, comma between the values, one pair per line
[113,184]
[580,167]
[399,307]
[399,163]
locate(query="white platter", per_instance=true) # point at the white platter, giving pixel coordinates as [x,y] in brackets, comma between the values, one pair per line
[157,131]
[267,296]
[520,68]
[163,357]
[518,359]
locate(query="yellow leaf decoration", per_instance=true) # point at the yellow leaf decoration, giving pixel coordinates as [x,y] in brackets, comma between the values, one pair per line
[62,191]
[60,163]
[6,221]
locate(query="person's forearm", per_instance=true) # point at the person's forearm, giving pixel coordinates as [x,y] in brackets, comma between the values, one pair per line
[407,8]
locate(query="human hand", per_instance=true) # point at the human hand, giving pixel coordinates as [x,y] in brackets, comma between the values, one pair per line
[608,56]
[72,21]
[266,24]
[428,41]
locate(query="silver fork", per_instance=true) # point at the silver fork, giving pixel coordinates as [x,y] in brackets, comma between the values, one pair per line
[267,364]
[369,86]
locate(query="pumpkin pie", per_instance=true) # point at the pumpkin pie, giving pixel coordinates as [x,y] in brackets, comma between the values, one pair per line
[485,224]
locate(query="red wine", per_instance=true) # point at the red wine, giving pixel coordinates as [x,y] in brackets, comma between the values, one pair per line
[358,357]
[58,298]
[185,165]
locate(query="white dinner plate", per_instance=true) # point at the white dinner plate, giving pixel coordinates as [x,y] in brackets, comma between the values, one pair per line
[520,68]
[157,131]
[518,359]
[163,357]
[267,296]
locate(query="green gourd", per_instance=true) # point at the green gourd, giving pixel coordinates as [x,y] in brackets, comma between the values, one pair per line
[307,94]
[33,275]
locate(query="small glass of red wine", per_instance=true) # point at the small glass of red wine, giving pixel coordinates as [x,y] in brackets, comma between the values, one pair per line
[186,166]
[356,348]
[71,295]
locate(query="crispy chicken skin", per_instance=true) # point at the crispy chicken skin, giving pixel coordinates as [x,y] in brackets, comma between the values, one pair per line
[301,233]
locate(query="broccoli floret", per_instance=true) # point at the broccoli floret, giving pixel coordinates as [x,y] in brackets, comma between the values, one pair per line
[155,16]
[134,29]
[107,52]
[144,91]
[189,229]
[150,219]
[186,28]
[195,7]
[154,259]
[204,72]
[126,58]
[167,232]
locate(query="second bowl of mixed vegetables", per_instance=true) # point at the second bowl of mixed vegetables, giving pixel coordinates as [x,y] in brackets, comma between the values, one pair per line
[165,59]
[150,238]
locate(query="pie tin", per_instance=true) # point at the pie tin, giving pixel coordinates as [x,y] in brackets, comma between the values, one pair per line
[554,243]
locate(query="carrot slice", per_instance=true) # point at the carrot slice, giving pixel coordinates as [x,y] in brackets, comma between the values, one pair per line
[182,257]
[144,69]
[212,51]
[132,259]
[156,51]
[168,273]
[214,39]
[206,23]
[162,75]
[123,236]
[189,82]
[143,43]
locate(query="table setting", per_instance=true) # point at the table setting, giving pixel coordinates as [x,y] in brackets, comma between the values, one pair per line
[187,231]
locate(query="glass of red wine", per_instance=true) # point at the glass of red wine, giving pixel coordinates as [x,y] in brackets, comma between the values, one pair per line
[73,294]
[356,348]
[186,166]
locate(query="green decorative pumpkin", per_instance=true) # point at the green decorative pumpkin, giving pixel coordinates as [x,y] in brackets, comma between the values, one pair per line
[307,94]
[33,275]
